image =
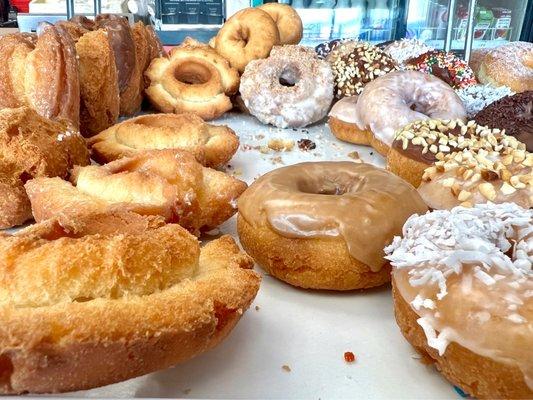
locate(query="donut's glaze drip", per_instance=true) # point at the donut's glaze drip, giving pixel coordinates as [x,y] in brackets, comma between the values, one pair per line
[363,204]
[467,274]
[392,101]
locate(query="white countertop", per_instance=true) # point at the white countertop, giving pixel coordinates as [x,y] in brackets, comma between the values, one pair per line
[308,331]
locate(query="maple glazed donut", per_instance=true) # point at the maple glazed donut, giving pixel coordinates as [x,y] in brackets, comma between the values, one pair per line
[248,35]
[462,282]
[291,88]
[390,102]
[298,223]
[287,20]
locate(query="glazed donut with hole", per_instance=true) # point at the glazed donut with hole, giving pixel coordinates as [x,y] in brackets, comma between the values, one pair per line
[291,88]
[193,78]
[323,225]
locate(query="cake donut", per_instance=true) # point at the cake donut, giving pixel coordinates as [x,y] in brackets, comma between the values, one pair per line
[420,144]
[462,282]
[298,223]
[512,113]
[446,66]
[193,78]
[499,173]
[247,35]
[510,64]
[477,97]
[356,63]
[390,102]
[287,20]
[291,88]
[405,49]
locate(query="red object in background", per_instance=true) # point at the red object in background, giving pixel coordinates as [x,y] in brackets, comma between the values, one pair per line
[349,357]
[23,6]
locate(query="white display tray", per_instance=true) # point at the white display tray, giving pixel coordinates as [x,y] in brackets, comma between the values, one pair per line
[307,331]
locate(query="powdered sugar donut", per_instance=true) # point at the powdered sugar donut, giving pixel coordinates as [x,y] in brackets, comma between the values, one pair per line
[476,97]
[462,289]
[291,88]
[404,49]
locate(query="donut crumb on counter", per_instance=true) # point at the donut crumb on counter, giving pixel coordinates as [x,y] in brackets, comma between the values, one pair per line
[286,368]
[306,144]
[281,144]
[349,357]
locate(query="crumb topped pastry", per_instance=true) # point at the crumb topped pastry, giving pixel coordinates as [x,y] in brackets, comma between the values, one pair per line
[477,97]
[405,49]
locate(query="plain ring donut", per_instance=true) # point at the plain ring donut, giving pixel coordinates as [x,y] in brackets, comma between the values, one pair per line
[287,20]
[248,35]
[298,223]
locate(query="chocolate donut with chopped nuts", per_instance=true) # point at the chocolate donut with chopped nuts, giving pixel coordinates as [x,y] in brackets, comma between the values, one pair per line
[496,168]
[356,63]
[420,144]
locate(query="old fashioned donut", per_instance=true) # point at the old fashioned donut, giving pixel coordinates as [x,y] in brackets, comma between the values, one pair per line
[390,102]
[248,35]
[498,172]
[405,49]
[510,64]
[212,145]
[136,295]
[298,223]
[355,64]
[446,66]
[32,146]
[420,144]
[462,284]
[291,88]
[41,72]
[193,78]
[169,183]
[287,20]
[514,114]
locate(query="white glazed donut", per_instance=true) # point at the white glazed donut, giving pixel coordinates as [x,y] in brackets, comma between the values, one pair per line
[291,88]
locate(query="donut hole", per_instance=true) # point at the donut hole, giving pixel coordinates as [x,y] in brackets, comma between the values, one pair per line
[192,73]
[289,77]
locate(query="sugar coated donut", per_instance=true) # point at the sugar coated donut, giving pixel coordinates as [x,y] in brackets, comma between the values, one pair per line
[248,35]
[498,172]
[356,63]
[405,49]
[420,144]
[193,78]
[512,113]
[510,65]
[287,20]
[477,97]
[462,282]
[291,88]
[298,223]
[446,66]
[390,102]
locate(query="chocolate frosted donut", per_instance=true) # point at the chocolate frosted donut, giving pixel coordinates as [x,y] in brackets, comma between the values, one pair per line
[512,113]
[324,225]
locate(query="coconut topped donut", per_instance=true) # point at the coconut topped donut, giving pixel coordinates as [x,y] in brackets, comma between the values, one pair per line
[355,64]
[405,49]
[446,66]
[477,97]
[467,275]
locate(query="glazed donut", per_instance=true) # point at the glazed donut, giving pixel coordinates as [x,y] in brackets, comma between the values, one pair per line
[446,66]
[477,97]
[248,35]
[389,103]
[193,78]
[405,49]
[355,63]
[147,47]
[136,295]
[32,146]
[169,183]
[512,113]
[291,88]
[510,64]
[42,73]
[499,173]
[298,223]
[287,20]
[420,144]
[462,284]
[212,145]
